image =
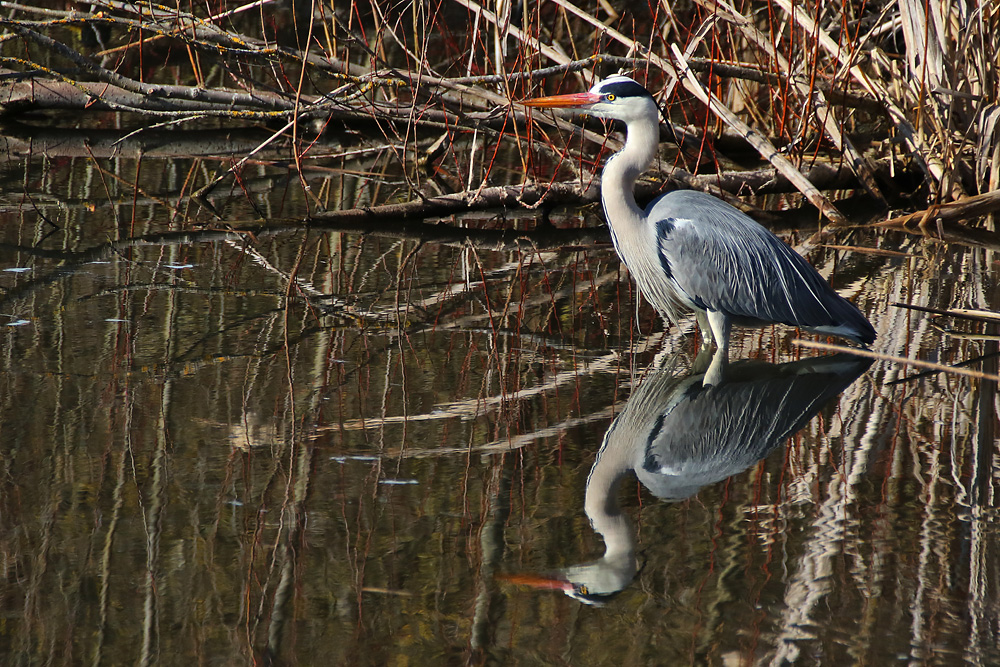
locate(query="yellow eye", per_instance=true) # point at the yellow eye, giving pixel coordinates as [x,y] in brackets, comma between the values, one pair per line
[610,97]
[583,589]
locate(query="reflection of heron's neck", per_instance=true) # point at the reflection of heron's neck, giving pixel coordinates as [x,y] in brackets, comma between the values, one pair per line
[601,501]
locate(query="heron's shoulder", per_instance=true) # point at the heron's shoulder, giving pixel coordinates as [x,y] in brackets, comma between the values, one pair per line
[700,218]
[680,206]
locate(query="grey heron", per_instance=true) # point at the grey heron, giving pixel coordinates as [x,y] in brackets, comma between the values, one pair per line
[678,435]
[690,250]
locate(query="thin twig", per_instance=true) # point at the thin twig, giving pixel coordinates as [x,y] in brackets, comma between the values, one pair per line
[896,360]
[960,313]
[757,140]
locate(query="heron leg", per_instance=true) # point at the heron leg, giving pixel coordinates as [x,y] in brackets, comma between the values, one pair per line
[702,361]
[716,372]
[720,324]
[706,331]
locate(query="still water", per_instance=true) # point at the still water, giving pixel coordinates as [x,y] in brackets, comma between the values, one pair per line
[226,442]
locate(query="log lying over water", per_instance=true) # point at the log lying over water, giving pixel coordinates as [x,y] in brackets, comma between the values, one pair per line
[20,93]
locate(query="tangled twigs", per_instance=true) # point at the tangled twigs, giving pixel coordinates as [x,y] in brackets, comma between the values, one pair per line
[768,151]
[803,88]
[510,196]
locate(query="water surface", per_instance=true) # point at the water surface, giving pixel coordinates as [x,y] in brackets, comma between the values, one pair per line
[337,448]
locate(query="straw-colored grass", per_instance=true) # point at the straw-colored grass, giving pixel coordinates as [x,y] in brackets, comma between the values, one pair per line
[903,96]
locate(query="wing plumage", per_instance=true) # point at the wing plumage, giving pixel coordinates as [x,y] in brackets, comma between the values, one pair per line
[721,260]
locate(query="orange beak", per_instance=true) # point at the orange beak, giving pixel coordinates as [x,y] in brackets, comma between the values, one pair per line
[534,581]
[563,101]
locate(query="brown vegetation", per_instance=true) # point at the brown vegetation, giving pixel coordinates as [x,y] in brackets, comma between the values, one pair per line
[898,101]
[313,429]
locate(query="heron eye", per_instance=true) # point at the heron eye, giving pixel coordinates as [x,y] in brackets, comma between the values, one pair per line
[610,97]
[583,588]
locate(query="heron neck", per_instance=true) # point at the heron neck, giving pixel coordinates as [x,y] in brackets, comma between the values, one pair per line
[601,502]
[624,168]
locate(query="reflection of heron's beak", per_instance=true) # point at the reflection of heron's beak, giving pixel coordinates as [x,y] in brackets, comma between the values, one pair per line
[535,581]
[563,101]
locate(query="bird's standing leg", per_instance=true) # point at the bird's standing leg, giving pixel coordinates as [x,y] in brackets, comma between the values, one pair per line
[705,356]
[706,331]
[720,325]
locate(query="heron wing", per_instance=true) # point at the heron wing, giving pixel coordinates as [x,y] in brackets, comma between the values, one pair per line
[722,260]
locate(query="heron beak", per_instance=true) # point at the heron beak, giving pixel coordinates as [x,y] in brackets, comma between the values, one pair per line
[537,582]
[563,101]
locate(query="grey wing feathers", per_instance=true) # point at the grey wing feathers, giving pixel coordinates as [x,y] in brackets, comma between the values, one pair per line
[710,433]
[722,260]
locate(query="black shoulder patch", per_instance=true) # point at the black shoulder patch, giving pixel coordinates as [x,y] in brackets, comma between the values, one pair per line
[650,461]
[625,88]
[663,228]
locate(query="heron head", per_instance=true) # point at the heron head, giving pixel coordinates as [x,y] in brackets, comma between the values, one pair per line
[594,584]
[617,97]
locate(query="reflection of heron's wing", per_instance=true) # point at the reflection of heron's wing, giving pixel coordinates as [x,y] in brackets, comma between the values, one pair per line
[678,436]
[714,432]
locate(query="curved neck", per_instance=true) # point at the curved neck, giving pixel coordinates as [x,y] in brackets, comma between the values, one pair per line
[601,501]
[642,137]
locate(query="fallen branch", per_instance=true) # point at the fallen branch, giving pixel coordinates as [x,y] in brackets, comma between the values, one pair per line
[505,196]
[534,195]
[987,316]
[36,93]
[941,221]
[953,211]
[546,238]
[918,363]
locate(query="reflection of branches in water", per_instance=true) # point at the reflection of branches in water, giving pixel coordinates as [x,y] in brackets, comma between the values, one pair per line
[609,364]
[76,261]
[868,454]
[411,80]
[808,512]
[434,306]
[495,240]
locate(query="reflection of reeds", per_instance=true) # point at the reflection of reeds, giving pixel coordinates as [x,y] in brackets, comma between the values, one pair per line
[482,353]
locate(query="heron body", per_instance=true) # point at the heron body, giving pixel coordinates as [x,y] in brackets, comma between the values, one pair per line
[690,250]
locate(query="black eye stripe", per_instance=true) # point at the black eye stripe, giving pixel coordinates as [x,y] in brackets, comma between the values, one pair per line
[625,89]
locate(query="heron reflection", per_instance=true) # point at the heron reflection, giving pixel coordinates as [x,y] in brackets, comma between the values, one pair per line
[679,435]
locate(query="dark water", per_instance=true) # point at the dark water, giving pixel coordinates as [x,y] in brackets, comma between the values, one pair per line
[328,448]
